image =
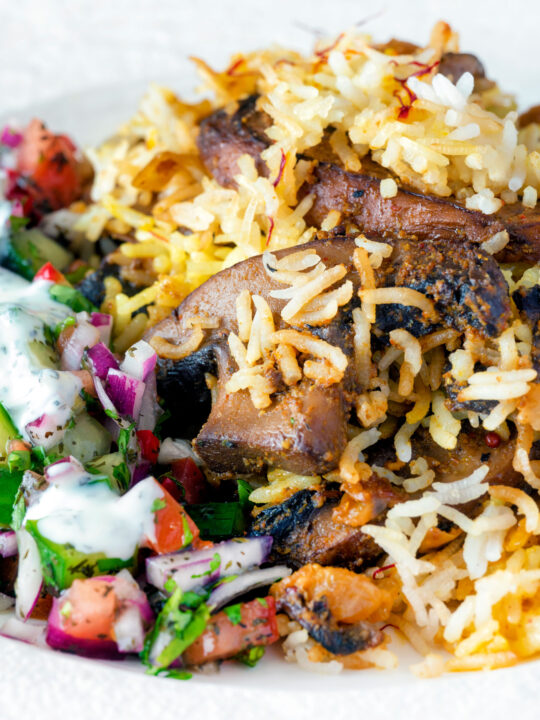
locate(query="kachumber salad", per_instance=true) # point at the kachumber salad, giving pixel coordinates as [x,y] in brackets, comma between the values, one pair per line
[270,368]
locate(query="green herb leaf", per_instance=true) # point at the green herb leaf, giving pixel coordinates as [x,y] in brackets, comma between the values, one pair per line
[122,475]
[68,322]
[234,613]
[217,520]
[158,504]
[244,491]
[262,601]
[252,656]
[124,437]
[185,623]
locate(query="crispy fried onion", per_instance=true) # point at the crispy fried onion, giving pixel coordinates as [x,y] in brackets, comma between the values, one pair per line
[177,351]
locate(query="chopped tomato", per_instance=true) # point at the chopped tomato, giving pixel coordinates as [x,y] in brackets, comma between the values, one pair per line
[191,479]
[88,609]
[235,629]
[174,529]
[149,445]
[49,272]
[49,172]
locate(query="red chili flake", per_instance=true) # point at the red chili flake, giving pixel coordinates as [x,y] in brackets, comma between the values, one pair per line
[382,569]
[389,625]
[281,169]
[270,231]
[493,440]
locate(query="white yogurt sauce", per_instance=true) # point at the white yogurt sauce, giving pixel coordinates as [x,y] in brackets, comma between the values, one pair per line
[27,389]
[94,519]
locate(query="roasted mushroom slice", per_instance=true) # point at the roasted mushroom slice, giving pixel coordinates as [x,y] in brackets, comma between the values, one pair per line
[224,137]
[305,531]
[303,427]
[336,607]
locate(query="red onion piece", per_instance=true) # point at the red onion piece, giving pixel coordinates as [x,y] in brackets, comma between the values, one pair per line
[139,361]
[113,417]
[126,393]
[10,138]
[224,593]
[150,410]
[191,570]
[101,360]
[46,430]
[31,632]
[60,640]
[8,543]
[103,323]
[84,336]
[29,575]
[65,470]
[129,631]
[132,616]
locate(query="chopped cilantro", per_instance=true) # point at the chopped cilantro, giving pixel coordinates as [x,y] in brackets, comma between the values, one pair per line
[122,475]
[244,491]
[158,504]
[214,565]
[292,421]
[175,674]
[234,613]
[181,621]
[112,414]
[262,601]
[252,656]
[68,322]
[124,437]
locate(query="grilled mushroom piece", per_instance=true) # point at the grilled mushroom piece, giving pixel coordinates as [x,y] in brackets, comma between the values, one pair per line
[305,531]
[224,137]
[304,429]
[315,617]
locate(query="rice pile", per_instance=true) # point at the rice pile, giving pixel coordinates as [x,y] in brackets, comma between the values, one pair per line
[478,597]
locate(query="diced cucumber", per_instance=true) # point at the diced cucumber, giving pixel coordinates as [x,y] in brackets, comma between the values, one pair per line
[9,488]
[8,432]
[43,355]
[86,440]
[29,250]
[62,564]
[112,467]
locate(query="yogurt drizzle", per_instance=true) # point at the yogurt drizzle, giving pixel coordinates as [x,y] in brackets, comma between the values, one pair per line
[88,515]
[27,389]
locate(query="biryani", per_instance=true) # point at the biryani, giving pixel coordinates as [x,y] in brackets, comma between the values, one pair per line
[294,330]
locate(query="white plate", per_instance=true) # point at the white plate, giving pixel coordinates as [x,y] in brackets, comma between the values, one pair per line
[53,685]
